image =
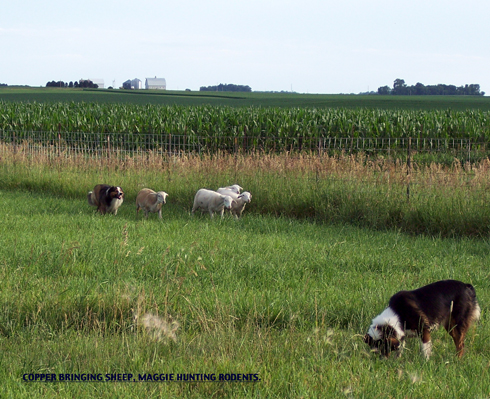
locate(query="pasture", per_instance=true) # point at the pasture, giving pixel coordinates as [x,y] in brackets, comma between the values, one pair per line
[285,299]
[277,294]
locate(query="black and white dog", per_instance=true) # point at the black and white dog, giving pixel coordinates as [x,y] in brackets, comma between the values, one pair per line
[449,303]
[106,198]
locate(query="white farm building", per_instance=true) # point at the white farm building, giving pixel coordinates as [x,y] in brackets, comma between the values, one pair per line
[155,83]
[98,82]
[136,84]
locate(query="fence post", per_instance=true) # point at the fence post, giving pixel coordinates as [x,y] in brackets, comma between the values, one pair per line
[59,140]
[409,167]
[235,156]
[185,140]
[15,148]
[169,148]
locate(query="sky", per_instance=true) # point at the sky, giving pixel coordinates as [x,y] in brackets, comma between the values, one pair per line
[307,46]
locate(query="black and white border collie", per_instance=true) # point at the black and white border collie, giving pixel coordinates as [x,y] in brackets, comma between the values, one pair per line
[449,303]
[106,198]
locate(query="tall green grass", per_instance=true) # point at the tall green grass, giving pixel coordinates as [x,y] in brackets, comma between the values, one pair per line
[378,193]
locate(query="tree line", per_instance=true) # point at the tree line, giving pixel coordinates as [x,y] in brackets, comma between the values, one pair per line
[400,88]
[226,87]
[83,83]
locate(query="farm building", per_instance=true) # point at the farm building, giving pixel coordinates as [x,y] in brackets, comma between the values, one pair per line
[155,83]
[98,82]
[134,84]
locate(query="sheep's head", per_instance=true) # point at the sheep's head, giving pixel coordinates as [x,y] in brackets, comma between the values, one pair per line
[245,197]
[161,197]
[227,200]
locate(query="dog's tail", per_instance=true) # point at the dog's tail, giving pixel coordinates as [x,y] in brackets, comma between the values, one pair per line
[91,198]
[471,295]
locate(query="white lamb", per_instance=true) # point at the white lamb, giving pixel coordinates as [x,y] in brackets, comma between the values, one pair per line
[150,201]
[239,201]
[211,201]
[235,188]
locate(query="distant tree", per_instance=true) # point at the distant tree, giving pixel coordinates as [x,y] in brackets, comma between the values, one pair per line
[432,90]
[399,87]
[59,83]
[226,87]
[474,90]
[86,83]
[451,90]
[385,90]
[420,90]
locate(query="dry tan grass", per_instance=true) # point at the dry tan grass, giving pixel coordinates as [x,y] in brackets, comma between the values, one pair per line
[159,328]
[378,169]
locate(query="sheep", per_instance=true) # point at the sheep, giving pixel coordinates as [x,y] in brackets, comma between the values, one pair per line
[211,201]
[239,204]
[235,188]
[150,201]
[239,201]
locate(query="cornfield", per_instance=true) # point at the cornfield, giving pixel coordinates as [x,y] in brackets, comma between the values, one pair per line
[291,124]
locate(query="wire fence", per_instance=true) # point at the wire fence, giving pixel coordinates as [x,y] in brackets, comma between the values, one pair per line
[97,145]
[462,163]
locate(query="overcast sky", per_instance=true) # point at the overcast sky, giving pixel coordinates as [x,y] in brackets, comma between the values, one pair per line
[308,46]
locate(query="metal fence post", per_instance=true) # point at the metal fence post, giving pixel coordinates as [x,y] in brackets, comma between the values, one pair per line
[409,167]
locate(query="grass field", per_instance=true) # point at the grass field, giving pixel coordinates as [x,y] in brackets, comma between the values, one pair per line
[457,103]
[446,201]
[286,300]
